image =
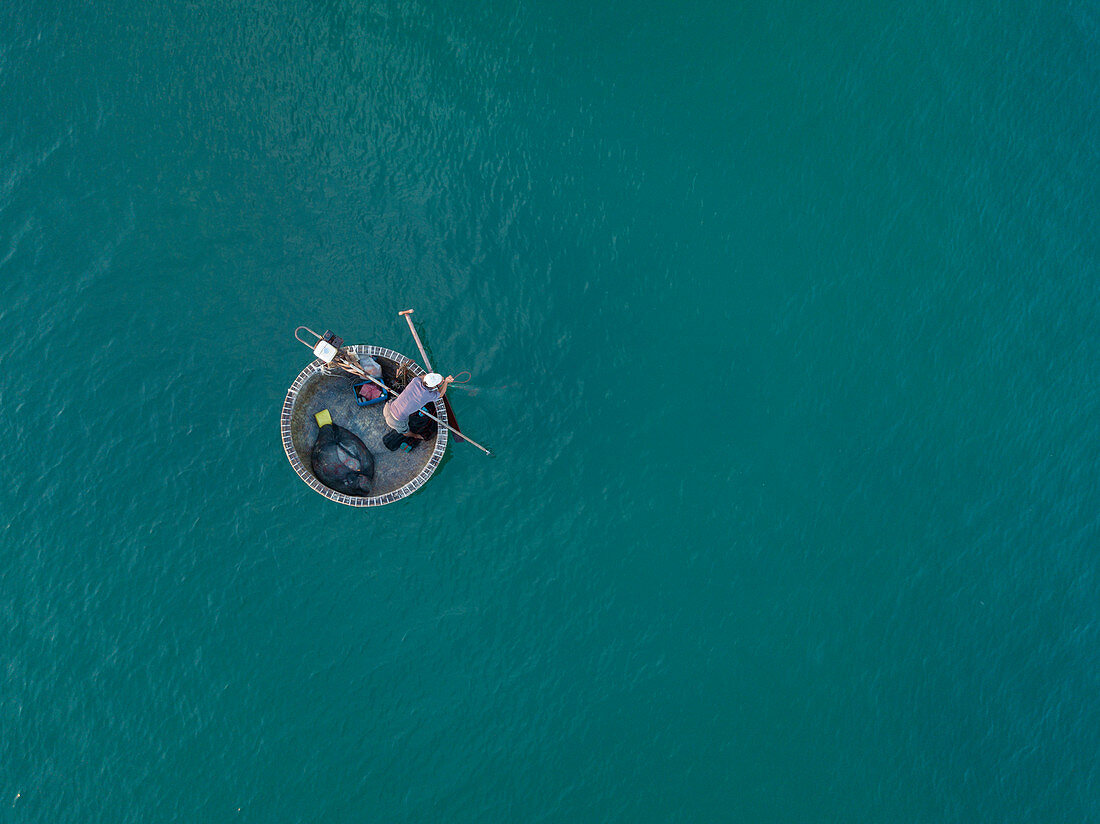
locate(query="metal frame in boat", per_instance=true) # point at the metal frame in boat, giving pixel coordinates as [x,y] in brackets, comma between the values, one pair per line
[317,370]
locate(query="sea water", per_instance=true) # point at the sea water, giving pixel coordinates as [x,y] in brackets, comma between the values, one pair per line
[783,326]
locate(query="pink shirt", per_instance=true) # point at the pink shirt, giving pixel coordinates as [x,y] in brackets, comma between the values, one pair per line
[412,397]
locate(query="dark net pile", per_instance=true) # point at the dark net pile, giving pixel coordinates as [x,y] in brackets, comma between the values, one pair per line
[342,462]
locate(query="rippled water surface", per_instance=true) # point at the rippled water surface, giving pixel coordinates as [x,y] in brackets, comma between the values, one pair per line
[783,322]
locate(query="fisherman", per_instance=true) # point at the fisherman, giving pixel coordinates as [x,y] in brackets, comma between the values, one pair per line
[419,393]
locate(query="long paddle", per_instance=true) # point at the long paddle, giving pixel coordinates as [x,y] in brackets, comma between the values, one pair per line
[358,371]
[446,403]
[341,359]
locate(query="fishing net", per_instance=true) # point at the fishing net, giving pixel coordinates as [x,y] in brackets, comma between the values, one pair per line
[342,462]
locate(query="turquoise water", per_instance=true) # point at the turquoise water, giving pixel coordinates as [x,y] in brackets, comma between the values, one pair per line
[783,327]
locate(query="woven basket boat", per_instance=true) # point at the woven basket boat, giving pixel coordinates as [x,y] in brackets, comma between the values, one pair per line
[396,474]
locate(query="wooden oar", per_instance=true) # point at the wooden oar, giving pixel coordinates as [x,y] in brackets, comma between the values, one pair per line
[428,363]
[375,380]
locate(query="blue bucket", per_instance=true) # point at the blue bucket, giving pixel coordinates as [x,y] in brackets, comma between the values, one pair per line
[363,402]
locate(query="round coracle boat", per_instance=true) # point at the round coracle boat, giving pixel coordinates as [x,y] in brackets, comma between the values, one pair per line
[318,387]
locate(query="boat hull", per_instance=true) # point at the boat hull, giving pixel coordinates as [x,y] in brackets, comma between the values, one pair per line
[397,474]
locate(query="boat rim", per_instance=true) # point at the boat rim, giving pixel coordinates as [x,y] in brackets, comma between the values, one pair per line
[304,472]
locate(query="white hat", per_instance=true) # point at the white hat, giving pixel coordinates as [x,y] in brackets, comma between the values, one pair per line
[432,380]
